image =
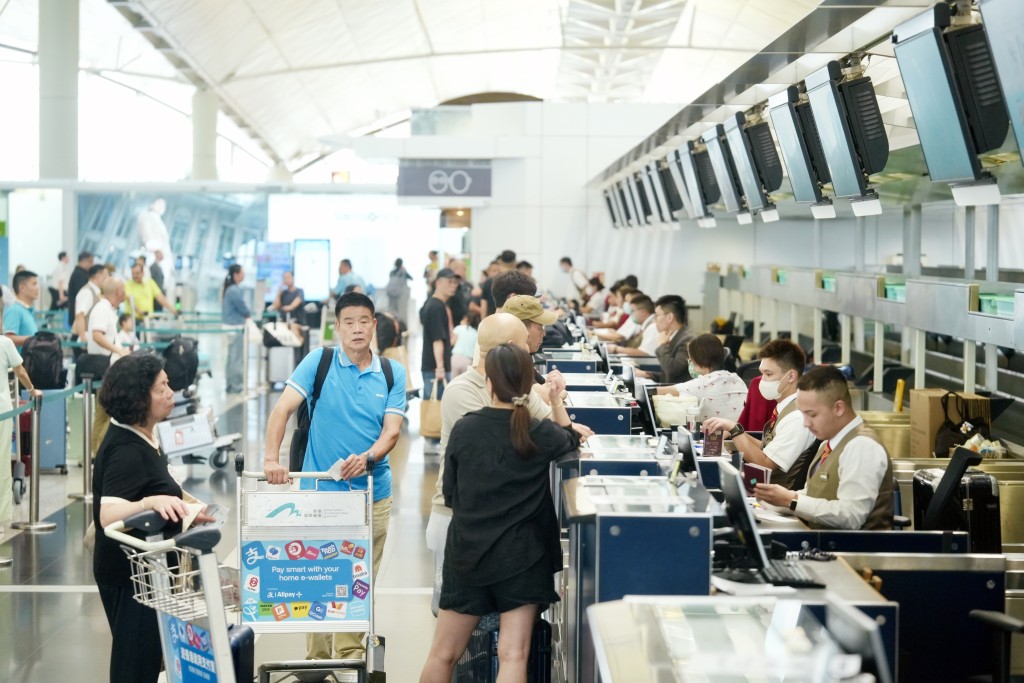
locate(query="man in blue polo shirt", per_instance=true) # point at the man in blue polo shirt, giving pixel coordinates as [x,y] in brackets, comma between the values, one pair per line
[356,418]
[19,318]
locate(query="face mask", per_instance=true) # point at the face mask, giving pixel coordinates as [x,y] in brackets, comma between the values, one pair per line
[627,308]
[693,371]
[633,318]
[770,390]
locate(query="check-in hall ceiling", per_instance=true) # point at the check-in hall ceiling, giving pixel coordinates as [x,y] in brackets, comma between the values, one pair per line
[295,73]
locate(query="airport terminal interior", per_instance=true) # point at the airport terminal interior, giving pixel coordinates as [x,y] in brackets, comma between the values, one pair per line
[766,256]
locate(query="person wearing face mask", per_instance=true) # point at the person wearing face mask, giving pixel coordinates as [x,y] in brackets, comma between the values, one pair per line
[644,341]
[786,444]
[849,484]
[721,392]
[617,313]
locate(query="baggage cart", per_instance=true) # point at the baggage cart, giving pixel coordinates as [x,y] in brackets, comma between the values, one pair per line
[306,560]
[180,579]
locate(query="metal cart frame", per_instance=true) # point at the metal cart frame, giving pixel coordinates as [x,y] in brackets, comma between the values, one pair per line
[348,515]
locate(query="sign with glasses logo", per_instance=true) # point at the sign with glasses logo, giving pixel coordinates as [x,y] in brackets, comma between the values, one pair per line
[425,179]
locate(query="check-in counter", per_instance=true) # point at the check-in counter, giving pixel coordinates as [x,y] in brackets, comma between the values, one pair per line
[1009,473]
[893,430]
[572,361]
[588,381]
[627,536]
[740,640]
[604,413]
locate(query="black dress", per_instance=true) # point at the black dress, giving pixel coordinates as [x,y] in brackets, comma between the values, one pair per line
[504,533]
[128,468]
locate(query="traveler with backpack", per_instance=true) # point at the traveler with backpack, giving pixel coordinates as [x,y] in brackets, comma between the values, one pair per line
[10,360]
[234,312]
[19,317]
[355,403]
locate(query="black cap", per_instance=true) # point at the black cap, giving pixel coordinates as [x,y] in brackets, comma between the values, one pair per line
[446,272]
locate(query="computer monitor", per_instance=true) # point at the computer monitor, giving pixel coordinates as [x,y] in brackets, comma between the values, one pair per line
[672,186]
[858,634]
[626,203]
[741,515]
[725,171]
[655,194]
[684,442]
[612,213]
[701,184]
[1002,22]
[755,159]
[644,401]
[938,101]
[643,211]
[798,142]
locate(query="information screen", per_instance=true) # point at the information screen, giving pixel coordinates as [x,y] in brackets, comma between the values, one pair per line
[313,268]
[847,179]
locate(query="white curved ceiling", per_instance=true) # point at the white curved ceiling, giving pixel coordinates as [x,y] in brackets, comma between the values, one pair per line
[295,72]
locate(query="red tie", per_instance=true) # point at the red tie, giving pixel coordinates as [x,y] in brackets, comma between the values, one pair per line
[824,455]
[775,416]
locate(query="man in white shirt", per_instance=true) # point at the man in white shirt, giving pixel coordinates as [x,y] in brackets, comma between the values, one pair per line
[59,280]
[785,444]
[577,279]
[102,329]
[87,297]
[643,316]
[850,483]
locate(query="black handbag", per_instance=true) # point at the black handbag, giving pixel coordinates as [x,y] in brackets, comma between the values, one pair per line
[955,431]
[94,364]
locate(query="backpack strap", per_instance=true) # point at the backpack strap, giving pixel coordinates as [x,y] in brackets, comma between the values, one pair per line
[321,376]
[389,373]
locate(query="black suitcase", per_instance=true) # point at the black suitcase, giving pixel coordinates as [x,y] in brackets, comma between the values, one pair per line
[243,652]
[479,664]
[974,507]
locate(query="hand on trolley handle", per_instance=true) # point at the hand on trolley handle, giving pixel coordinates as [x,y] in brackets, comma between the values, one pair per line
[355,465]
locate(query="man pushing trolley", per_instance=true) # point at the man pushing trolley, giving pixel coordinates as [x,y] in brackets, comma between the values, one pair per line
[350,405]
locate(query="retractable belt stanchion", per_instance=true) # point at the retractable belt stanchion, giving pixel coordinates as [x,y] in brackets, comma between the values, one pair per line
[86,494]
[33,524]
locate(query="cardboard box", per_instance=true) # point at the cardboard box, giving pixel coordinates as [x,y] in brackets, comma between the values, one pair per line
[926,417]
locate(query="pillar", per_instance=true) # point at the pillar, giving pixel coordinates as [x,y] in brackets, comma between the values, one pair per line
[58,89]
[205,105]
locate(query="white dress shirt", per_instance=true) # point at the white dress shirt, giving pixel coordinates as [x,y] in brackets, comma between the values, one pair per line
[649,342]
[791,437]
[861,469]
[722,394]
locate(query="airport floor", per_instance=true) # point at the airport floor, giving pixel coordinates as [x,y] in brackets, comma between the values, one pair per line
[52,626]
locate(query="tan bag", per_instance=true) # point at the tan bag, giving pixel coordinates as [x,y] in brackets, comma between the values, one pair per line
[430,414]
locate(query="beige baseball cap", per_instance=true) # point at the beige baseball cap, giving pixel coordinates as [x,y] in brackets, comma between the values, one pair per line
[529,308]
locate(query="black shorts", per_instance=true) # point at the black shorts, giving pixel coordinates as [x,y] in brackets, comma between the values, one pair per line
[532,586]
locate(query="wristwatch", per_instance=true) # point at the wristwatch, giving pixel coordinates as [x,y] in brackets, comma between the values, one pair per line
[736,431]
[792,503]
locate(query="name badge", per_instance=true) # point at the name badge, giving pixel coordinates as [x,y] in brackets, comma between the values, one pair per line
[823,477]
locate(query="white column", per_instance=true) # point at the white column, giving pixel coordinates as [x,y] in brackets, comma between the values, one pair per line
[205,105]
[992,275]
[918,358]
[794,323]
[858,334]
[879,356]
[844,348]
[970,366]
[816,315]
[969,246]
[912,241]
[58,89]
[773,319]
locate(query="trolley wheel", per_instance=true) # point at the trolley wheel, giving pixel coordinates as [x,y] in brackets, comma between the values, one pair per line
[19,491]
[220,458]
[63,469]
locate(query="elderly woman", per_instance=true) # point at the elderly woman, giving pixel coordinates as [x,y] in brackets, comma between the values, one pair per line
[131,476]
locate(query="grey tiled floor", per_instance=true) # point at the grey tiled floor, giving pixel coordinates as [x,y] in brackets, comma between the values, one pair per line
[52,626]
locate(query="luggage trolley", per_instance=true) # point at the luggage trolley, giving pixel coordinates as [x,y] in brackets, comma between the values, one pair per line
[307,567]
[179,578]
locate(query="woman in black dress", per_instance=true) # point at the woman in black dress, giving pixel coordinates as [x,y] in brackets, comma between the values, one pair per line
[131,476]
[503,546]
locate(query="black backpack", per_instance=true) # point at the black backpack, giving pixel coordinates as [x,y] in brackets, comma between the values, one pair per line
[181,362]
[44,360]
[304,416]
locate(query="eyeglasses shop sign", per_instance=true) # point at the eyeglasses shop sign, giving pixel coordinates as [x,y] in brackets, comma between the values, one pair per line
[444,181]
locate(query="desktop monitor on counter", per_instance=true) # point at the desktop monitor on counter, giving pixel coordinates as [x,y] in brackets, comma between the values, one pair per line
[1002,20]
[852,134]
[801,150]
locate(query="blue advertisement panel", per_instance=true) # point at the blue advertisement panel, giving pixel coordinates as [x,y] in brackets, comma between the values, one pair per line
[303,581]
[188,652]
[273,260]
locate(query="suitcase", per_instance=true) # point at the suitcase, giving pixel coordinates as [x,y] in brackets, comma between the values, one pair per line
[280,363]
[479,664]
[53,442]
[243,652]
[974,507]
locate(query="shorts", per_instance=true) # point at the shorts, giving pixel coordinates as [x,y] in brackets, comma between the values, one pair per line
[532,586]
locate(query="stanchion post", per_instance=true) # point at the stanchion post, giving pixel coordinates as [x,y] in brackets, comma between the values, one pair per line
[17,422]
[34,524]
[86,494]
[245,360]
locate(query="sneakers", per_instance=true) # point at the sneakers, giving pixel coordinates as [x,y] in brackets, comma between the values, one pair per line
[431,447]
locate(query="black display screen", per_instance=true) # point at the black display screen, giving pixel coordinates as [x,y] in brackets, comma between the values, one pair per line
[794,151]
[1003,21]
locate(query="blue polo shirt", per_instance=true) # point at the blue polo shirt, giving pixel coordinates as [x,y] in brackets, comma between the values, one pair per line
[19,320]
[349,416]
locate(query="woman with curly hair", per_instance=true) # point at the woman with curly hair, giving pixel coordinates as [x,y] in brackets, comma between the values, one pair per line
[131,476]
[503,546]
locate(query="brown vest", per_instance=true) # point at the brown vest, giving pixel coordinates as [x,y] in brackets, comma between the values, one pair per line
[824,483]
[788,478]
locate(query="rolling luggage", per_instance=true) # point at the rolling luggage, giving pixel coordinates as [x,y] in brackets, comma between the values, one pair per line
[44,360]
[974,507]
[243,652]
[479,664]
[53,434]
[181,362]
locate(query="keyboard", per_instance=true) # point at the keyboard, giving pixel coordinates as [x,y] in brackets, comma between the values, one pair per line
[789,573]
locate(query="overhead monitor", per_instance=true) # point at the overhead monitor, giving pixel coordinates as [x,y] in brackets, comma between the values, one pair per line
[756,162]
[796,142]
[626,202]
[725,172]
[646,207]
[639,211]
[674,167]
[700,181]
[1003,20]
[950,83]
[851,132]
[612,214]
[658,191]
[668,169]
[620,212]
[649,193]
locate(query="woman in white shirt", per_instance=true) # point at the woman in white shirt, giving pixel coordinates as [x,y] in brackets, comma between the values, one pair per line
[721,393]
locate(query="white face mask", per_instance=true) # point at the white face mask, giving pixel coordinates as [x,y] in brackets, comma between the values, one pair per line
[770,390]
[627,308]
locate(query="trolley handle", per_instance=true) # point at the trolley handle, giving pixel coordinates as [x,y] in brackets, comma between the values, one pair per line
[201,538]
[116,532]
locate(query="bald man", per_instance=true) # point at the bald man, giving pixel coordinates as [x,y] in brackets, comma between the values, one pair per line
[102,327]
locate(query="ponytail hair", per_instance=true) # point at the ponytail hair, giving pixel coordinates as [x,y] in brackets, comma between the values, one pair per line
[510,370]
[229,279]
